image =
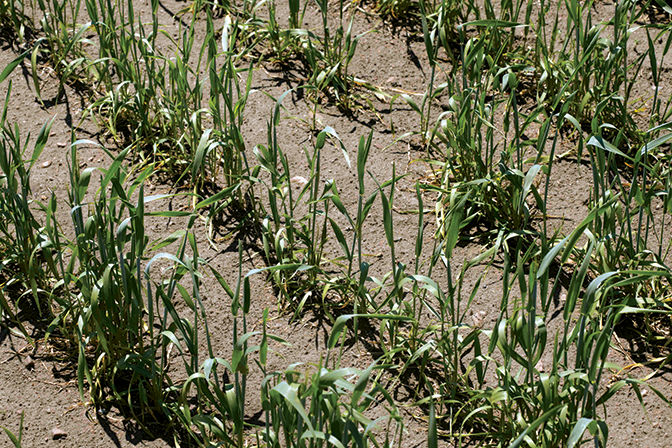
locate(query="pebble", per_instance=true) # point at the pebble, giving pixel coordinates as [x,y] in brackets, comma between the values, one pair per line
[29,363]
[479,318]
[298,180]
[46,164]
[58,433]
[60,144]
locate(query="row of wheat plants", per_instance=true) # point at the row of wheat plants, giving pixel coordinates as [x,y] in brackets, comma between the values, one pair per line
[511,383]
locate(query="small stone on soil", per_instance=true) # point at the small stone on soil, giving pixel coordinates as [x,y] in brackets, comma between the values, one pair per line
[29,363]
[58,433]
[479,318]
[299,180]
[46,164]
[60,144]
